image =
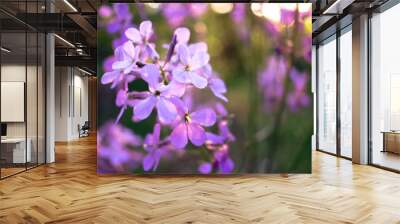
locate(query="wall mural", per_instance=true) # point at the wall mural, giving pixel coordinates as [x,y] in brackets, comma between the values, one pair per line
[195,88]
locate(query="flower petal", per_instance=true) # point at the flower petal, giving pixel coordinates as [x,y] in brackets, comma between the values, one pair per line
[179,137]
[134,35]
[182,35]
[184,54]
[120,54]
[148,162]
[205,117]
[121,98]
[226,166]
[109,77]
[174,88]
[151,51]
[144,108]
[197,80]
[218,88]
[199,60]
[151,75]
[205,168]
[166,110]
[224,131]
[181,75]
[146,29]
[221,109]
[121,64]
[214,139]
[198,47]
[181,107]
[129,50]
[196,134]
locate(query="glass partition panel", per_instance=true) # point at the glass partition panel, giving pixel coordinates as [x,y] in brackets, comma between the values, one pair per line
[385,89]
[14,153]
[22,77]
[327,96]
[32,98]
[346,93]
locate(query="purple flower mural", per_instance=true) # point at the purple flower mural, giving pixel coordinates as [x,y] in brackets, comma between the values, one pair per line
[175,95]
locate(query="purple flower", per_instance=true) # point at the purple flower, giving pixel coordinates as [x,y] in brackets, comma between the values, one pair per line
[187,71]
[298,97]
[307,49]
[197,9]
[142,38]
[119,41]
[223,124]
[159,96]
[153,148]
[287,16]
[182,35]
[239,13]
[120,20]
[105,11]
[238,16]
[175,14]
[205,168]
[225,132]
[129,59]
[223,161]
[191,126]
[171,90]
[271,28]
[128,98]
[107,64]
[217,85]
[117,76]
[271,81]
[114,145]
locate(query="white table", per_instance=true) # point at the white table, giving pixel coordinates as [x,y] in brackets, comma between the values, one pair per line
[19,155]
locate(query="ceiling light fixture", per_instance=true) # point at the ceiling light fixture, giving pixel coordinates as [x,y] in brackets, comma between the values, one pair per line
[337,7]
[5,50]
[64,40]
[70,5]
[84,71]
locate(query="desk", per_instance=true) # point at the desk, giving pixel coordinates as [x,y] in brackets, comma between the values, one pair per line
[17,150]
[391,141]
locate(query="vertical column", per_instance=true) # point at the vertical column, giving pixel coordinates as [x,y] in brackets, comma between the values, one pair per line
[314,94]
[50,92]
[360,90]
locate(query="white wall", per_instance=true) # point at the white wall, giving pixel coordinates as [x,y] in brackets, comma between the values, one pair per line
[16,73]
[71,102]
[33,126]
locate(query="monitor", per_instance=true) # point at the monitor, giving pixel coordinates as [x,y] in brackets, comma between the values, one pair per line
[3,129]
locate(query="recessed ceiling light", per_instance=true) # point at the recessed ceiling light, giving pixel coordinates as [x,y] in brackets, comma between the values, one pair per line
[64,40]
[70,5]
[5,50]
[84,71]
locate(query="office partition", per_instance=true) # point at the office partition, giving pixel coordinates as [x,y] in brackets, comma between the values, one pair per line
[385,89]
[22,77]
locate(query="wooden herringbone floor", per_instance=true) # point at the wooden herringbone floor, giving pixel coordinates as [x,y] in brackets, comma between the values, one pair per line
[70,191]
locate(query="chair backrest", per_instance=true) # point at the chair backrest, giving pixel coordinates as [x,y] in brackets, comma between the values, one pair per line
[86,125]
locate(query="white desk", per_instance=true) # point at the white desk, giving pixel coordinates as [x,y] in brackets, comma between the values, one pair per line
[19,155]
